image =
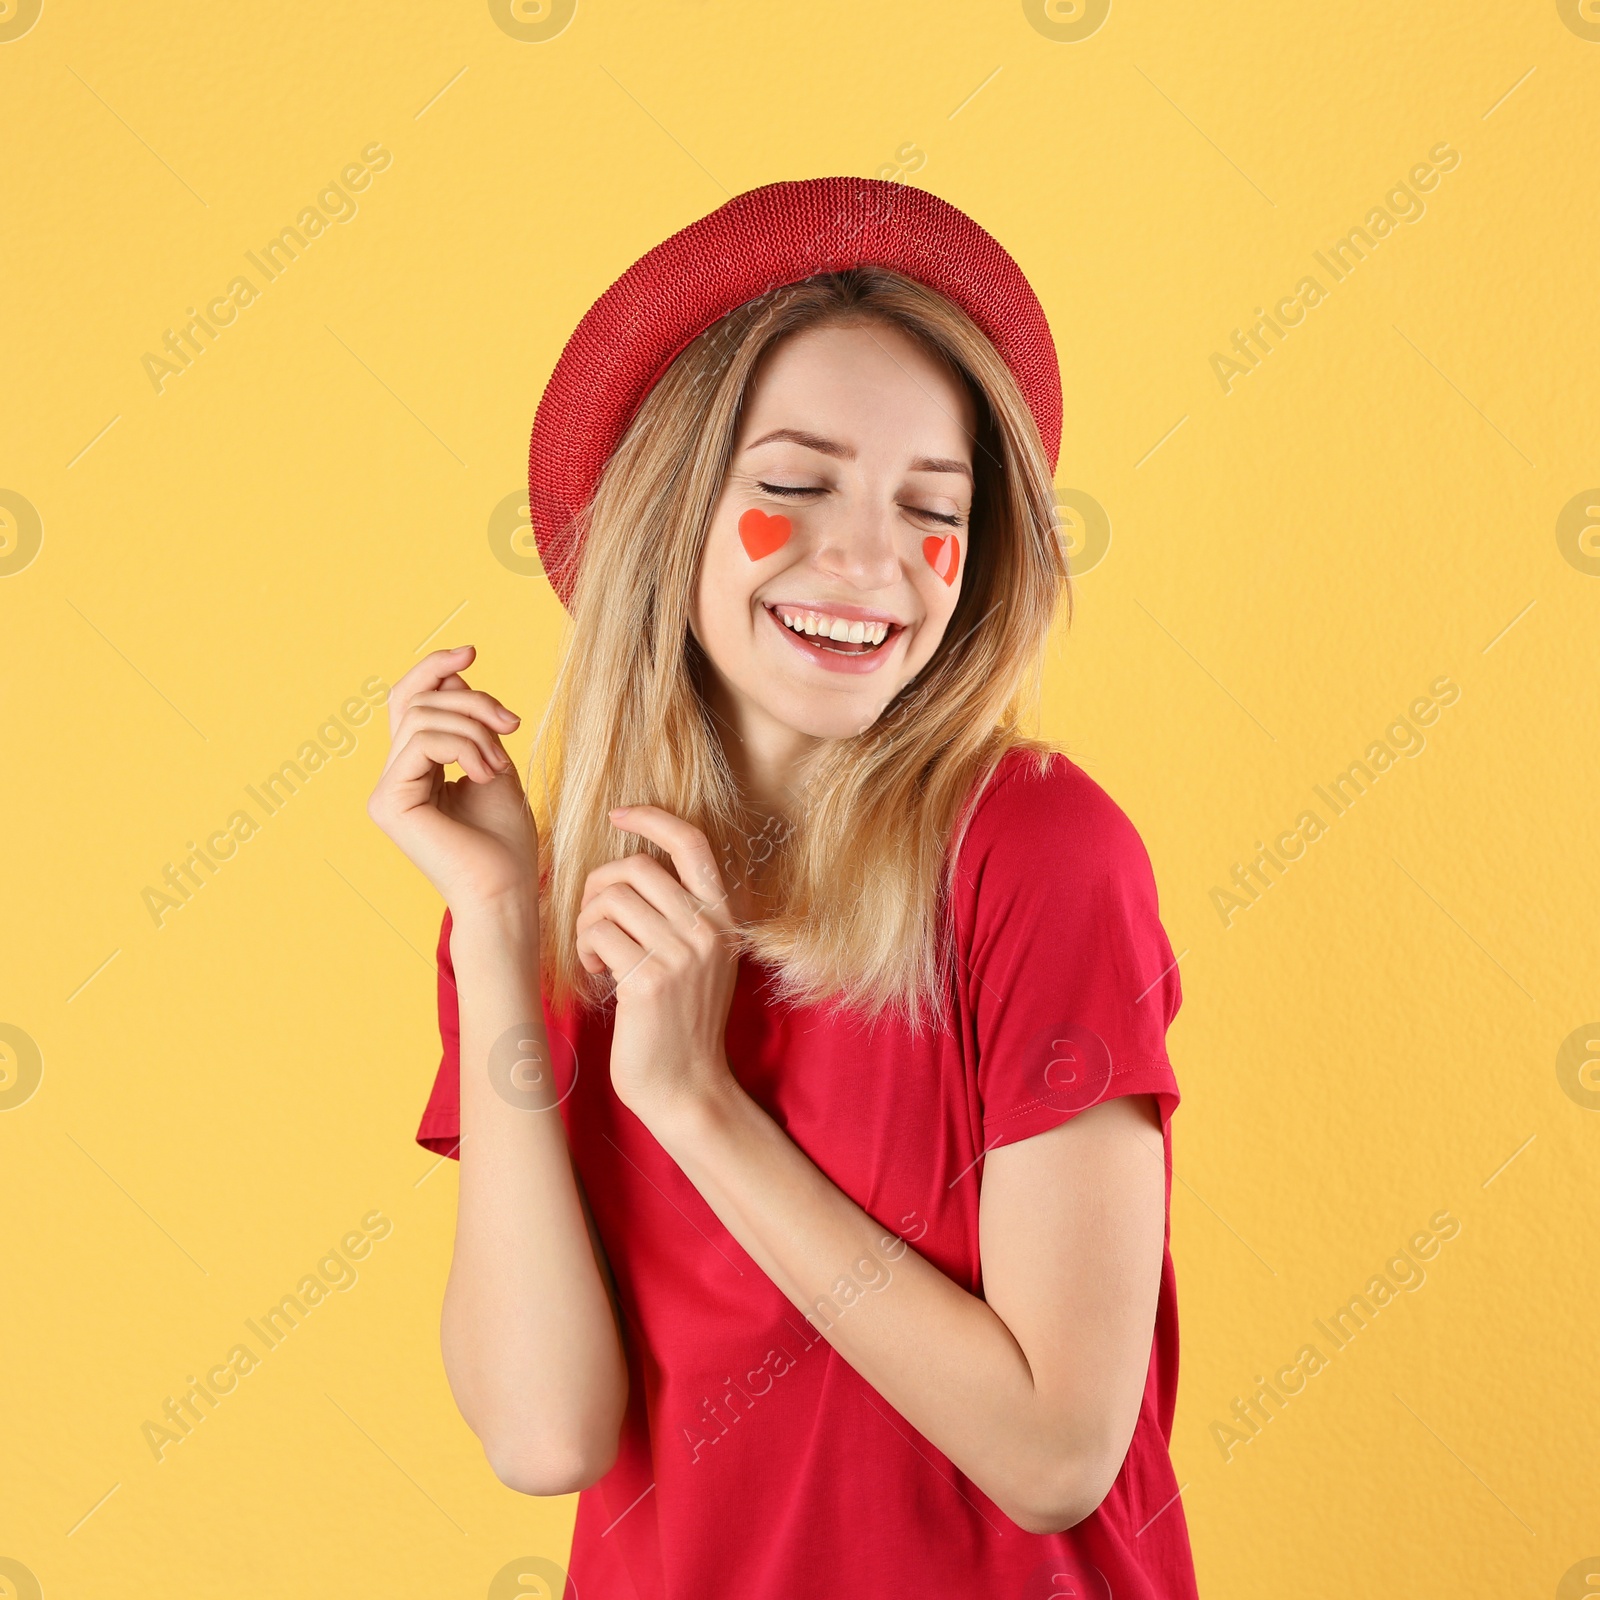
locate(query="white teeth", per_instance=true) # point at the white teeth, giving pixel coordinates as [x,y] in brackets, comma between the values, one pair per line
[825,627]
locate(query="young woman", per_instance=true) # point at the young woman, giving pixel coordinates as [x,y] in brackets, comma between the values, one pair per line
[806,1061]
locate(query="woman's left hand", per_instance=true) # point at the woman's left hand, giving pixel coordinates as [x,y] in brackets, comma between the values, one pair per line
[664,939]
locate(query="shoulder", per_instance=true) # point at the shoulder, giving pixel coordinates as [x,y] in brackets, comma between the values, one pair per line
[1042,816]
[1054,897]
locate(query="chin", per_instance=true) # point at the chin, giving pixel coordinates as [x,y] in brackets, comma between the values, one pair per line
[837,718]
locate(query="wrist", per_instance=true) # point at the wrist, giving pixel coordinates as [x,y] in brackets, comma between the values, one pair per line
[500,920]
[697,1116]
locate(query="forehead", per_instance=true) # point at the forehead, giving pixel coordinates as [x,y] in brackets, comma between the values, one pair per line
[862,375]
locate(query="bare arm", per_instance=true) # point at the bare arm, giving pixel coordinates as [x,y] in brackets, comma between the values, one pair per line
[531,1340]
[1032,1390]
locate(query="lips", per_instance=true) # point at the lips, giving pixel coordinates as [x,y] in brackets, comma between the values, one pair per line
[817,651]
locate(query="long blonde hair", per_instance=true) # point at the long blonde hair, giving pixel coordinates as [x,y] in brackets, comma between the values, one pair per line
[861,874]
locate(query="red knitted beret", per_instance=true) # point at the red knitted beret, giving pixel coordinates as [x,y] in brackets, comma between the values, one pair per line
[778,234]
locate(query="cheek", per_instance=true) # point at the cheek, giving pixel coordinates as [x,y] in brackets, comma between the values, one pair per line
[762,533]
[942,571]
[936,555]
[726,539]
[727,580]
[943,555]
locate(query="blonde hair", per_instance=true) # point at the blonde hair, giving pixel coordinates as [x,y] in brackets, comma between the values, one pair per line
[861,876]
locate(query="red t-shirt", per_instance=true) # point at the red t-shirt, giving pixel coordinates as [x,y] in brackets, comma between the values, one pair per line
[755,1463]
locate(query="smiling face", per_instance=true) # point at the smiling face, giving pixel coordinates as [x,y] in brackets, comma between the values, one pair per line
[838,545]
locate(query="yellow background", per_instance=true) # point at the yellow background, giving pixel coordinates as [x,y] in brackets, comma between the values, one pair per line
[309,506]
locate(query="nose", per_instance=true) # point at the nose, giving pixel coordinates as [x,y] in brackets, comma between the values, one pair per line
[860,549]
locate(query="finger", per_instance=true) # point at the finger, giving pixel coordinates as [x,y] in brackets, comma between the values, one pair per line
[414,764]
[690,853]
[436,720]
[433,671]
[622,904]
[619,954]
[469,702]
[490,757]
[652,880]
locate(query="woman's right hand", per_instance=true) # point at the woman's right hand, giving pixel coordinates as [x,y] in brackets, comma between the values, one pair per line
[473,837]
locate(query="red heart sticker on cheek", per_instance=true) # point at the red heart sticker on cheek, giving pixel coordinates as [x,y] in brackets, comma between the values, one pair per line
[943,555]
[761,535]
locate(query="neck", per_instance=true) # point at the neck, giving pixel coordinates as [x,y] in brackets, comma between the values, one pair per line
[765,756]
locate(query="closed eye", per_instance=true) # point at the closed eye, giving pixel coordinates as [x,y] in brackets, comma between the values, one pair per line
[946,518]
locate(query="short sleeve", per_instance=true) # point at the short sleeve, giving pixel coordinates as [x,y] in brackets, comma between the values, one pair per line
[1070,978]
[440,1129]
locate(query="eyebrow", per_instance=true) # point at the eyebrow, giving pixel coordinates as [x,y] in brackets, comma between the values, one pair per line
[831,447]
